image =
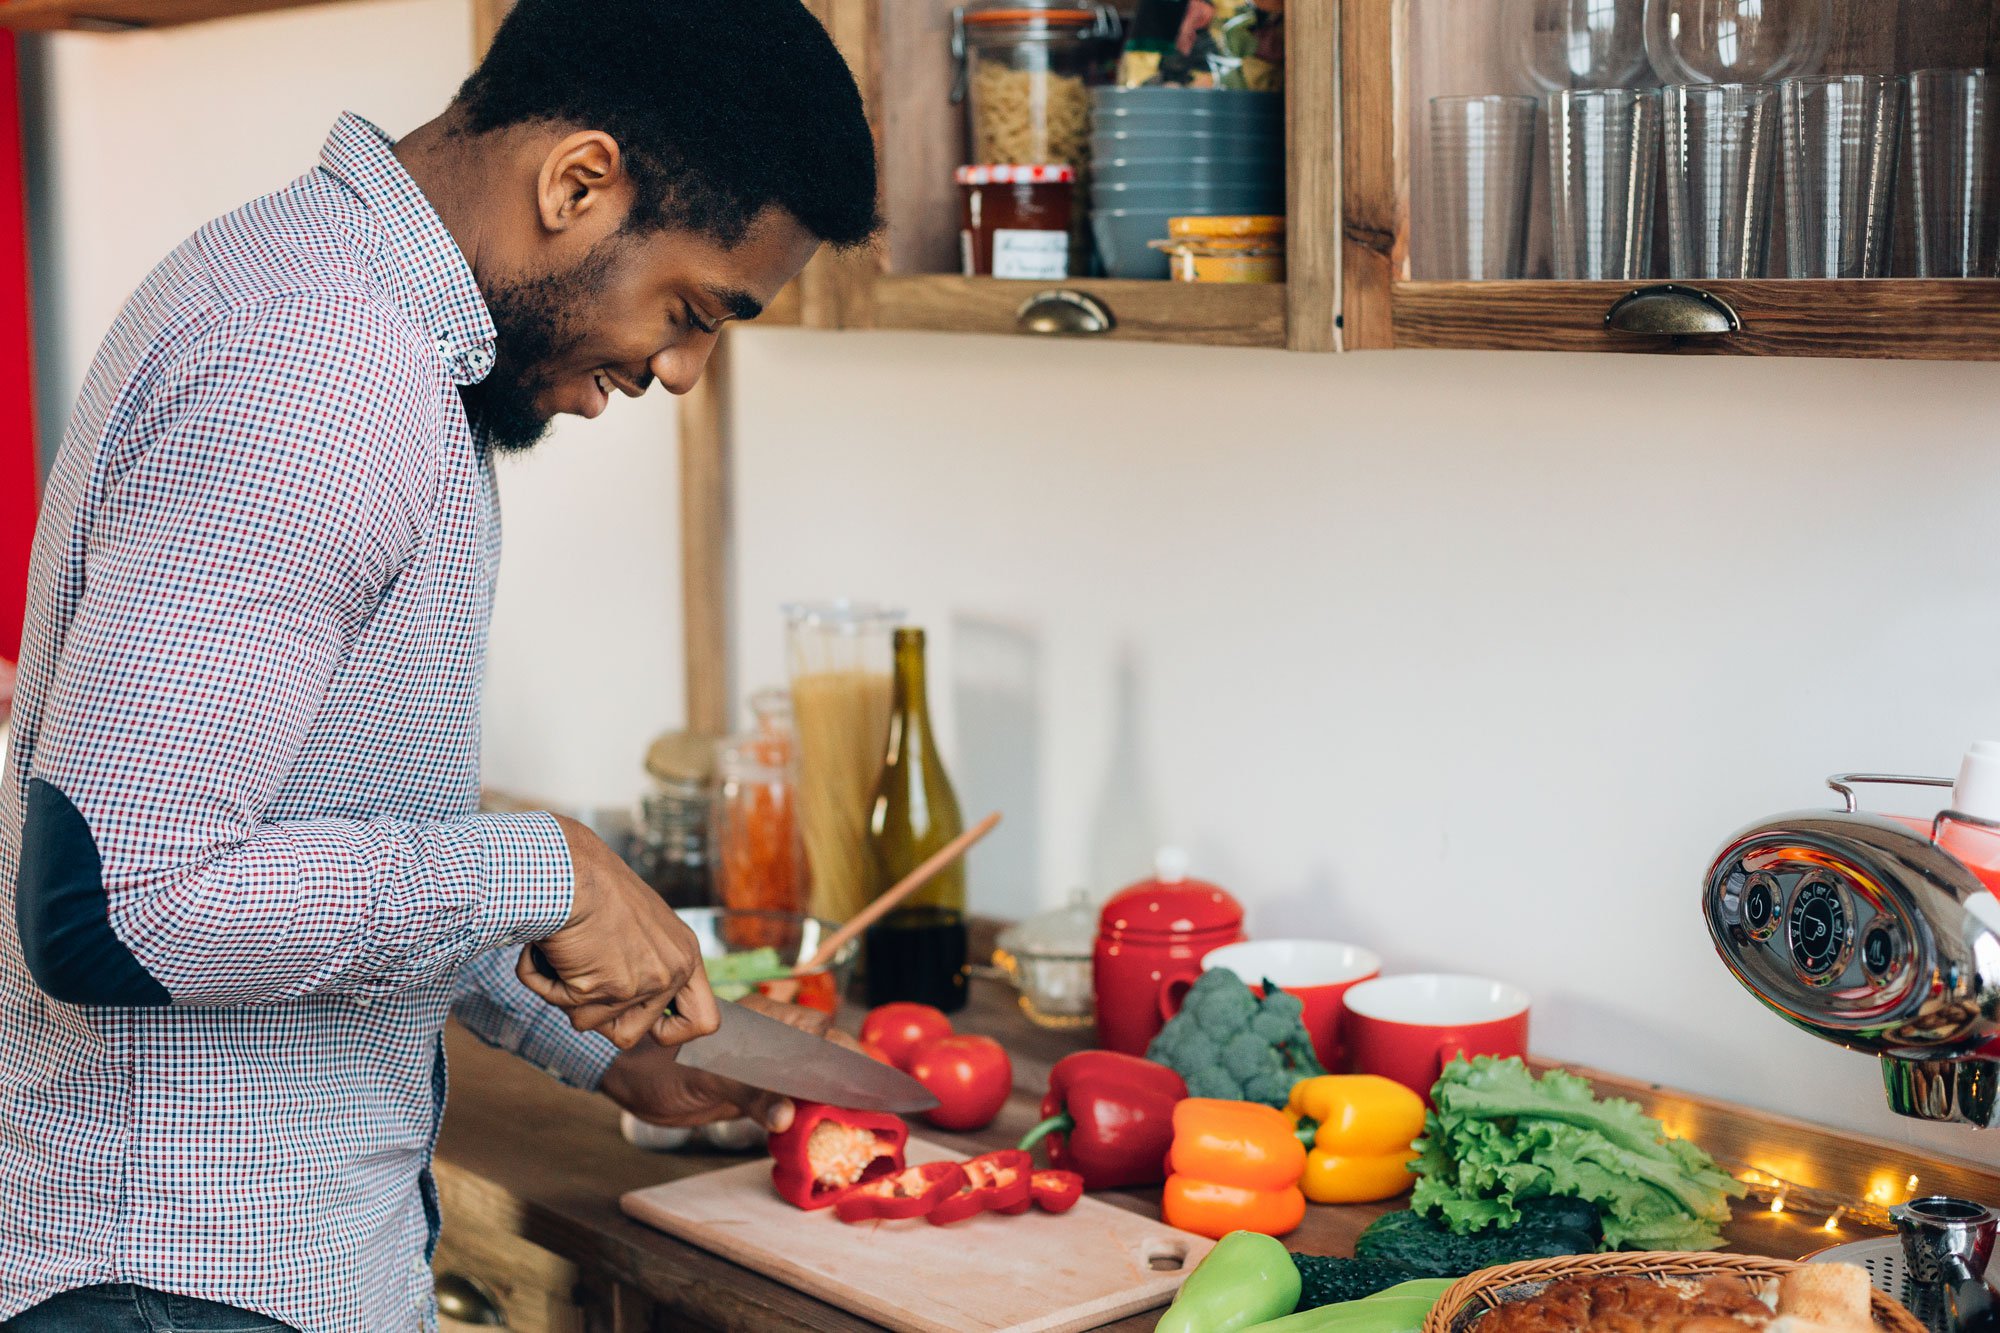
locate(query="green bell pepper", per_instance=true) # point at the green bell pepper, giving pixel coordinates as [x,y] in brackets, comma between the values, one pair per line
[1246,1279]
[1383,1312]
[1429,1288]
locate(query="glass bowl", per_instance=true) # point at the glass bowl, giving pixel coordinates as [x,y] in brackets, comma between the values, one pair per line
[792,937]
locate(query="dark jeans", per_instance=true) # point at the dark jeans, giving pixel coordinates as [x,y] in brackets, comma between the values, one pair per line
[120,1307]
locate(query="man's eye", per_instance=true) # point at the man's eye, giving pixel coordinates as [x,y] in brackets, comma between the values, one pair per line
[693,320]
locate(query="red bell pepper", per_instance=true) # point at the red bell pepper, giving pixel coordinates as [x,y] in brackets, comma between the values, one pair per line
[995,1182]
[912,1192]
[1056,1191]
[1110,1118]
[828,1151]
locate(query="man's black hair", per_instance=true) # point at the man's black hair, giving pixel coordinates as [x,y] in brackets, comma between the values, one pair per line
[721,108]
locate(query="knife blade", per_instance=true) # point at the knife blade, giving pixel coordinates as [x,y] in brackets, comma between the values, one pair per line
[764,1053]
[777,1057]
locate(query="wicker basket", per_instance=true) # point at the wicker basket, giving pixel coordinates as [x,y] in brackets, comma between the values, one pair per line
[1472,1296]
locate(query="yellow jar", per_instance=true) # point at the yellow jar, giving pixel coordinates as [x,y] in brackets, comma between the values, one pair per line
[1225,249]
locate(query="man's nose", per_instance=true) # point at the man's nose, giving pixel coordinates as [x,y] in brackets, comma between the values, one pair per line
[679,367]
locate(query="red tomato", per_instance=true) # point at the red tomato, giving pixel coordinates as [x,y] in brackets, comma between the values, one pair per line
[901,1030]
[970,1077]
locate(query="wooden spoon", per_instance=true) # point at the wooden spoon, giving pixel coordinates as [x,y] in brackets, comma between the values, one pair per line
[903,888]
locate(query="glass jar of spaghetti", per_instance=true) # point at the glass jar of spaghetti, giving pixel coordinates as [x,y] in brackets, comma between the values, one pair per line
[760,854]
[1025,67]
[1015,222]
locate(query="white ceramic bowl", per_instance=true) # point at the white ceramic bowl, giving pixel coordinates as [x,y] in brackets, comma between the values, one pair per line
[1291,964]
[1431,999]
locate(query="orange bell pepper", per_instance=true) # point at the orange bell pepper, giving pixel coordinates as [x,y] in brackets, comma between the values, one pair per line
[1235,1167]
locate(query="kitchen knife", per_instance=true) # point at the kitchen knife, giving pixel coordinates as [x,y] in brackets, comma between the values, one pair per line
[777,1057]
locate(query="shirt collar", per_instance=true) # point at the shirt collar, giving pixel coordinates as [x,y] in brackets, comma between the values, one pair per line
[432,279]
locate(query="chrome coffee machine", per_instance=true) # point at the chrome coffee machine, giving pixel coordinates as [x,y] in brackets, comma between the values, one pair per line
[1880,933]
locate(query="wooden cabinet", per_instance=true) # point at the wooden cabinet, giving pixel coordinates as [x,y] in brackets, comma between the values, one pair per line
[1400,292]
[901,54]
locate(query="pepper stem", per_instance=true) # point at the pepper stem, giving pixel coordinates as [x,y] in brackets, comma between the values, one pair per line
[1307,1131]
[1055,1124]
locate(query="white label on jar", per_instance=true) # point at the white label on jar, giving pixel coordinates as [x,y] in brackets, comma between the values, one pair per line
[965,253]
[1030,254]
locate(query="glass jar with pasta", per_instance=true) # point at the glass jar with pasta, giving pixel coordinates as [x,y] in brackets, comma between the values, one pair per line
[1026,70]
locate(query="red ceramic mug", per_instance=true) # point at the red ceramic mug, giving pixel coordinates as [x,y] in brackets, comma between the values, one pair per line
[1319,972]
[1409,1028]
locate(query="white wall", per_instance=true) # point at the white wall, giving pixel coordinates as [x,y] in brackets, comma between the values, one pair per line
[138,138]
[1473,658]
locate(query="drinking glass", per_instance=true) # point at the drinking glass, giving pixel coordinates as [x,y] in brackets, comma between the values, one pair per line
[1843,134]
[1604,157]
[1737,41]
[1482,150]
[1956,177]
[1579,43]
[1722,165]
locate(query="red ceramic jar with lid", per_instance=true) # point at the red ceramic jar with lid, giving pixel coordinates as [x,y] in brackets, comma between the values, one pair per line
[1014,221]
[1148,937]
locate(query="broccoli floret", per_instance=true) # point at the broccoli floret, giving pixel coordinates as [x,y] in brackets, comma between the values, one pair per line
[1221,1003]
[1214,1081]
[1227,1043]
[1247,1056]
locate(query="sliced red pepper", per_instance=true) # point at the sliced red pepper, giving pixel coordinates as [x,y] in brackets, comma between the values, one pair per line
[995,1182]
[1056,1191]
[1110,1118]
[828,1151]
[912,1192]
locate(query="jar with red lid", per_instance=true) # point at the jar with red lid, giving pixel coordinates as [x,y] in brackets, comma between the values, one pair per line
[1150,937]
[1025,67]
[1015,221]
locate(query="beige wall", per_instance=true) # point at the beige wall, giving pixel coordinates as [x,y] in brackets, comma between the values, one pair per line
[1473,658]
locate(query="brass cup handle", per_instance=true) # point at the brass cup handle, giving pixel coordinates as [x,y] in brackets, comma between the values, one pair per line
[1669,310]
[468,1301]
[1064,313]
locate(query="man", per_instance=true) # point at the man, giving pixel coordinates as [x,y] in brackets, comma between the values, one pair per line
[245,881]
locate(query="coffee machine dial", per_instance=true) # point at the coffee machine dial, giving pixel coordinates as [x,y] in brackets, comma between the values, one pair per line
[1819,930]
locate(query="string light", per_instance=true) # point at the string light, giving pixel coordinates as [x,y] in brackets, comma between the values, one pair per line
[1824,1210]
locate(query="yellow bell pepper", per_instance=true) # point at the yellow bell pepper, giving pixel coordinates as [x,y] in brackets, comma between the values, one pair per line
[1361,1152]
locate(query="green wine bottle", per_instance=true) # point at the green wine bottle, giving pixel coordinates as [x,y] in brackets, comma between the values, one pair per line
[918,951]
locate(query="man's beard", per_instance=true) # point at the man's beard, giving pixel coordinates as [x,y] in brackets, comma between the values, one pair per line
[538,323]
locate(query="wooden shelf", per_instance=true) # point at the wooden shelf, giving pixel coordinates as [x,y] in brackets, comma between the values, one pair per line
[1213,314]
[118,15]
[1903,318]
[902,60]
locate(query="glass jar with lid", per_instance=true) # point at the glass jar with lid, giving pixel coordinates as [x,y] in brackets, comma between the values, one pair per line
[1025,68]
[672,847]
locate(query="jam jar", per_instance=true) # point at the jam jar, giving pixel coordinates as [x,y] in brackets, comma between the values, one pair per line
[1151,939]
[1015,221]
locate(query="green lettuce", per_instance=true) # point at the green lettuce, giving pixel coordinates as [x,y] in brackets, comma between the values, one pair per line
[1498,1135]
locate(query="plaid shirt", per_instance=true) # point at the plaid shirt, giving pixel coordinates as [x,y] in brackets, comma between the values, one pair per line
[256,631]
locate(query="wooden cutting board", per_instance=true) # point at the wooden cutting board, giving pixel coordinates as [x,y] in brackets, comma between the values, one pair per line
[1035,1273]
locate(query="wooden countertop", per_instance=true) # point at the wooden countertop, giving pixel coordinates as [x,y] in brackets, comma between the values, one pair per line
[550,1163]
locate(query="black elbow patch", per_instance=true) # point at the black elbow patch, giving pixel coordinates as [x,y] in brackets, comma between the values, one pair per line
[64,914]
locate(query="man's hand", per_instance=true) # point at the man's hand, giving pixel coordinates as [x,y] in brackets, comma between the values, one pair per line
[647,1081]
[622,957]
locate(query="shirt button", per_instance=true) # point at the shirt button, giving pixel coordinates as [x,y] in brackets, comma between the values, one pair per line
[361,1002]
[444,348]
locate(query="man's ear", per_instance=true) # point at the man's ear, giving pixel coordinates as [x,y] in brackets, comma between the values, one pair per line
[583,184]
